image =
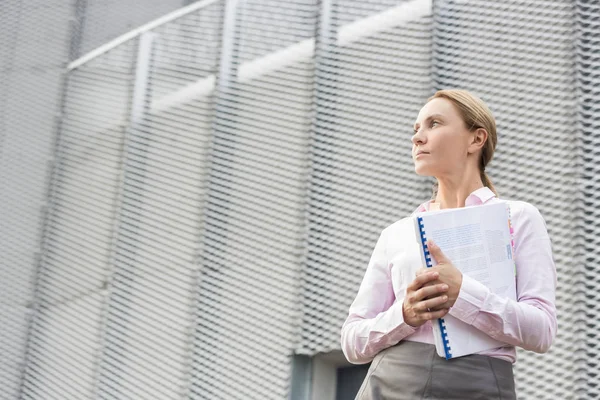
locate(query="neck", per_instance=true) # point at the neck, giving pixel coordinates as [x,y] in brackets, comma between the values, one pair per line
[453,191]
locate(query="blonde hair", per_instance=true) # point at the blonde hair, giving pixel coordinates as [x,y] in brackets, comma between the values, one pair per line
[476,114]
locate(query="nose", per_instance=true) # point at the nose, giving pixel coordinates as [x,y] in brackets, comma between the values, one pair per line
[418,138]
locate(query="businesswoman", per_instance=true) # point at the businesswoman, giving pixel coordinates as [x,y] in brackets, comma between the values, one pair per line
[390,321]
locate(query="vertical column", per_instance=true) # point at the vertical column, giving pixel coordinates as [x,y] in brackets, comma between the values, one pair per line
[113,369]
[587,211]
[255,202]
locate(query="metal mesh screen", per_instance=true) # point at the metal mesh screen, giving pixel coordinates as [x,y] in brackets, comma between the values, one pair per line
[588,34]
[34,47]
[254,211]
[99,21]
[222,174]
[362,174]
[150,308]
[77,249]
[520,59]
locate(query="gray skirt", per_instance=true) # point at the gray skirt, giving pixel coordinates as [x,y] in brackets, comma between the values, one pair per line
[411,370]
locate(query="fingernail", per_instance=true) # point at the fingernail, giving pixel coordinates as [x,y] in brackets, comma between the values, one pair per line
[444,287]
[444,298]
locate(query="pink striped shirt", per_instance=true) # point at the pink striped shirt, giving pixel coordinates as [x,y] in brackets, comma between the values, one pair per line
[375,319]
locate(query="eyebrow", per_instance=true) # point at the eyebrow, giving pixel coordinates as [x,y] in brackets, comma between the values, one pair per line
[429,118]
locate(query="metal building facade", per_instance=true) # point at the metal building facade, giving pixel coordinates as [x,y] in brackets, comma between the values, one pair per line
[211,185]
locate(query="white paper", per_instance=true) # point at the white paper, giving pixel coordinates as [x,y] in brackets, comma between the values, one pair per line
[477,241]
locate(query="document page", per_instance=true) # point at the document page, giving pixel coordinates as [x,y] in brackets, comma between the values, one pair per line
[477,241]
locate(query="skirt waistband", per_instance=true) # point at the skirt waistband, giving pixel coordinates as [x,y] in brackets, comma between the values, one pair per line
[413,370]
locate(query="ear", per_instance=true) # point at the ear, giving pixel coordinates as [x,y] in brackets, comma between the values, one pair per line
[478,139]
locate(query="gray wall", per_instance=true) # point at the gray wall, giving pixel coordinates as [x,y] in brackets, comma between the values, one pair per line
[250,207]
[103,20]
[34,49]
[37,40]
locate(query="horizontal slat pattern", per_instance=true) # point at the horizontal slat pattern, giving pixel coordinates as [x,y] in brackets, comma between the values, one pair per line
[35,47]
[78,242]
[63,349]
[153,287]
[254,211]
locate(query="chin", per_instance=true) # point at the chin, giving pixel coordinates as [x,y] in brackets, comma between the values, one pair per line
[421,171]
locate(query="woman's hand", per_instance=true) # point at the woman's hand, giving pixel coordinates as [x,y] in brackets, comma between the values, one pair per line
[448,274]
[424,299]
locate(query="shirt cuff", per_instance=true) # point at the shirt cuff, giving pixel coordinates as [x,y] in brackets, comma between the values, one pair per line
[393,324]
[470,301]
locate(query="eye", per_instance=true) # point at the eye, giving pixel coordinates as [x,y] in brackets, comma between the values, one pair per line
[434,123]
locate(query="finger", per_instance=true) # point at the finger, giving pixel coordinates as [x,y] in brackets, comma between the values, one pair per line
[437,253]
[432,283]
[428,316]
[422,279]
[431,304]
[421,271]
[430,291]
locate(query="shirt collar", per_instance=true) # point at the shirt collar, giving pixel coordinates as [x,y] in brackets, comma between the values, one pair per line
[478,197]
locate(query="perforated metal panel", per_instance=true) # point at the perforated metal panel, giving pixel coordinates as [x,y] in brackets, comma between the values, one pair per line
[34,47]
[362,176]
[588,59]
[221,177]
[78,243]
[519,58]
[151,306]
[255,206]
[100,21]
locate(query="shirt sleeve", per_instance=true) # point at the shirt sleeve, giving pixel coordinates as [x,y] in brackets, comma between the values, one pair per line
[375,320]
[529,322]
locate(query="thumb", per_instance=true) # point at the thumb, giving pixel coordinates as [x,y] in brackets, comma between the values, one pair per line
[437,253]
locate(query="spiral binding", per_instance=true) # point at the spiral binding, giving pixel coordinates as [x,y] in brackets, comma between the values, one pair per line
[441,322]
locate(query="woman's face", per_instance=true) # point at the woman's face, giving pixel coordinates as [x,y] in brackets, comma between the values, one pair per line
[441,140]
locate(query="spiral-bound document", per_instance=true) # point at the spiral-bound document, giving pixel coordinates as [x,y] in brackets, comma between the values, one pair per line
[478,241]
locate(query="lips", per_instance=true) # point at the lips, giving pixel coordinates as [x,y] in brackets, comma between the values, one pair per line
[420,152]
